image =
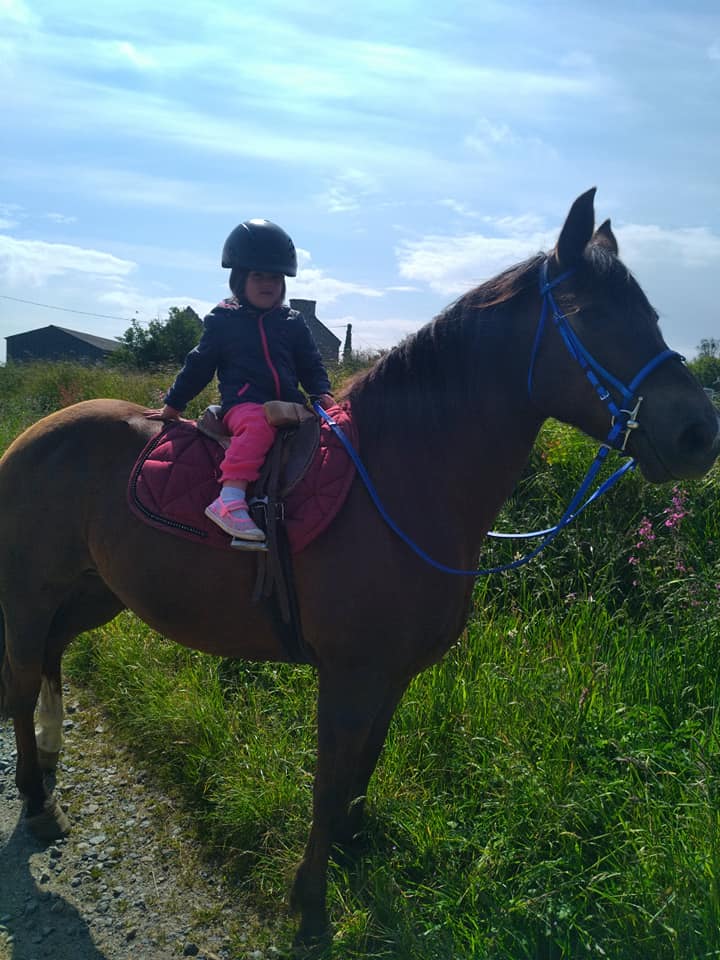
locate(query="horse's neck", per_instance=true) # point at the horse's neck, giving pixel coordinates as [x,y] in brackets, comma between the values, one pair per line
[456,478]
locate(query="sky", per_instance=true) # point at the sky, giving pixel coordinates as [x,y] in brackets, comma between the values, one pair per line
[411,148]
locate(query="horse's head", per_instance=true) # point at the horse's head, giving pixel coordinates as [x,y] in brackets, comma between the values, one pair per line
[600,336]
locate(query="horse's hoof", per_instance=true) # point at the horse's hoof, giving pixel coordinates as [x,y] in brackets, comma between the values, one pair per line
[51,823]
[308,945]
[48,760]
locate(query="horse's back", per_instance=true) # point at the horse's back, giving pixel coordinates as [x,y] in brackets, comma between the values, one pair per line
[85,427]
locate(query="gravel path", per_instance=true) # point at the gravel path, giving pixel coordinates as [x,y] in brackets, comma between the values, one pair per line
[129,883]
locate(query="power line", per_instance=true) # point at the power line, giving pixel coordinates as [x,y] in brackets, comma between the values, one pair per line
[50,306]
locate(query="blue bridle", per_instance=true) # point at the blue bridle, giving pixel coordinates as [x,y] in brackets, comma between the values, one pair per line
[624,419]
[623,422]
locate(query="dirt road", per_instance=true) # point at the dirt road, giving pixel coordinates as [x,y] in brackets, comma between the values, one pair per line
[129,883]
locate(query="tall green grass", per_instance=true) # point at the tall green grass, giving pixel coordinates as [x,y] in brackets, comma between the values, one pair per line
[550,790]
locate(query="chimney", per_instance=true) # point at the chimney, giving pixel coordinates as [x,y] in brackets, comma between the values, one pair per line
[347,348]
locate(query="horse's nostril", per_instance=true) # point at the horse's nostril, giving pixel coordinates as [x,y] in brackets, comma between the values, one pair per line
[699,438]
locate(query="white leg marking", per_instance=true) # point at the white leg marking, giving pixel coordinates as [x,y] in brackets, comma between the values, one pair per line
[48,729]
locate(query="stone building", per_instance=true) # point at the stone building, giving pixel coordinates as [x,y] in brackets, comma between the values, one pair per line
[327,343]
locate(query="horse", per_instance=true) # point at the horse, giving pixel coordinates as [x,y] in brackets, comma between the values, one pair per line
[446,421]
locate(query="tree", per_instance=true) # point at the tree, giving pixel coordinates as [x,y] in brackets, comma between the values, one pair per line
[162,342]
[709,347]
[706,366]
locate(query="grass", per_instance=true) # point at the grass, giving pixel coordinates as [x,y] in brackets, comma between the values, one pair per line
[550,790]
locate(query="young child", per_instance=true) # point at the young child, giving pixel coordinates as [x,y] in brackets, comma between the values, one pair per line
[261,351]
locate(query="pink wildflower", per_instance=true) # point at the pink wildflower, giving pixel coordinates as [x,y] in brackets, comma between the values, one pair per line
[676,512]
[645,533]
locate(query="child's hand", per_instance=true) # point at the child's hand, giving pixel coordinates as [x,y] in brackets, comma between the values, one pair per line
[165,413]
[326,401]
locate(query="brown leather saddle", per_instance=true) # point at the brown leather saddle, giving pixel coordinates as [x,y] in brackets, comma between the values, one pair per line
[292,453]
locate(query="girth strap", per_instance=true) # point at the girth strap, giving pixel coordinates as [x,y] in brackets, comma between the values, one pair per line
[274,581]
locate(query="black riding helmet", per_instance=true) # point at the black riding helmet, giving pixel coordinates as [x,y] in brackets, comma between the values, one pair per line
[260,245]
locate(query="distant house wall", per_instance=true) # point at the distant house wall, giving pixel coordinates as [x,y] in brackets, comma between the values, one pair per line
[55,343]
[327,343]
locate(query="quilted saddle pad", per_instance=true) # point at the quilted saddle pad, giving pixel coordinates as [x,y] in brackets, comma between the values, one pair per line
[177,475]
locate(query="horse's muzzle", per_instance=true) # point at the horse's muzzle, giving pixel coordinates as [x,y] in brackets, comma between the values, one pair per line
[687,455]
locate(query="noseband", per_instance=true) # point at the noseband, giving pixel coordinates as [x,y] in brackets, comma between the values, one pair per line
[623,420]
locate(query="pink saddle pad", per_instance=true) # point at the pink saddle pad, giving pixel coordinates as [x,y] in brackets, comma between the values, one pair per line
[177,475]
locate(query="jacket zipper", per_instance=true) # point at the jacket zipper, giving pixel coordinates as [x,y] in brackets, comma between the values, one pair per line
[266,351]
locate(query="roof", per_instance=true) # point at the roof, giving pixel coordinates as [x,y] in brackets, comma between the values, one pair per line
[102,343]
[307,309]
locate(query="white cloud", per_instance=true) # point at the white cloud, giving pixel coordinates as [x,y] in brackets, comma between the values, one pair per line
[451,265]
[347,191]
[16,11]
[313,284]
[131,302]
[489,140]
[60,218]
[10,215]
[382,333]
[685,247]
[524,225]
[34,262]
[461,209]
[487,134]
[129,51]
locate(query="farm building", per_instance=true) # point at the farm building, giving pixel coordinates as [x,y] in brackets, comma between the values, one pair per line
[57,343]
[327,343]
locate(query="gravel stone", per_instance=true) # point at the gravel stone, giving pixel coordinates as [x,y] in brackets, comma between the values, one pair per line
[131,882]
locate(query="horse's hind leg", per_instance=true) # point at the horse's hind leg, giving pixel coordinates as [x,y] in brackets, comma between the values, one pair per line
[49,718]
[32,675]
[22,667]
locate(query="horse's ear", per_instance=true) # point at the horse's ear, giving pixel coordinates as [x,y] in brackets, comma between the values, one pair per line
[604,237]
[577,230]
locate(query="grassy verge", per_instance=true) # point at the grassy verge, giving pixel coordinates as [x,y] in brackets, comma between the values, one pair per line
[550,790]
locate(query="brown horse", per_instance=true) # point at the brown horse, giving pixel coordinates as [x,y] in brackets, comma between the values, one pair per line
[446,422]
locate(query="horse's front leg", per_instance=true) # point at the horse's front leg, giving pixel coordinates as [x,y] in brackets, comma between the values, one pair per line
[349,829]
[348,707]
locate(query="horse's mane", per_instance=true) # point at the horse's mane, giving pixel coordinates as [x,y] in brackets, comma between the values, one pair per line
[425,378]
[428,377]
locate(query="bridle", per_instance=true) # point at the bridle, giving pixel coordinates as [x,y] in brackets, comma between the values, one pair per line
[623,420]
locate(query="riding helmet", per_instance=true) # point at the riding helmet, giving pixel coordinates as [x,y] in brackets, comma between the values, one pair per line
[260,245]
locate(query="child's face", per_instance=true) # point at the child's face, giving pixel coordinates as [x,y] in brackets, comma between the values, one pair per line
[264,290]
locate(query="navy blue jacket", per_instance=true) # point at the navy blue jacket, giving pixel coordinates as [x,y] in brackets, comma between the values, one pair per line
[258,356]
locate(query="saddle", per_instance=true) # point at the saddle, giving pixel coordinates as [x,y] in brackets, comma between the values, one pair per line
[292,453]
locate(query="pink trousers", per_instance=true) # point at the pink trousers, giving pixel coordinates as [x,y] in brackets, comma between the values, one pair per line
[252,437]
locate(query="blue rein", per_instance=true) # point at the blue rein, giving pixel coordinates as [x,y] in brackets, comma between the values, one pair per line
[623,422]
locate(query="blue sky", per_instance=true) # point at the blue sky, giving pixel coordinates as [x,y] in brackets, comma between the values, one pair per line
[412,149]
